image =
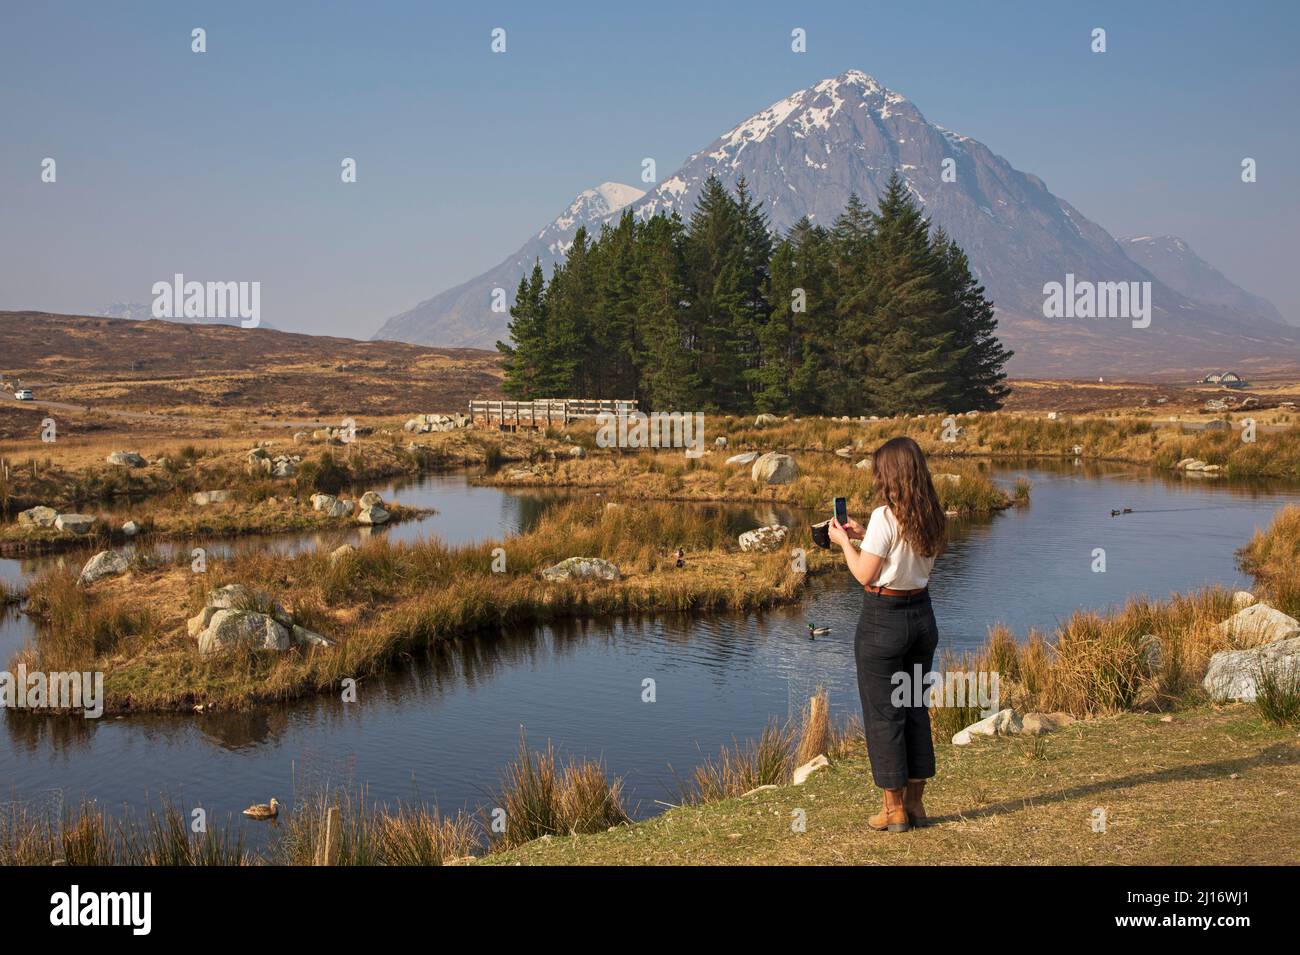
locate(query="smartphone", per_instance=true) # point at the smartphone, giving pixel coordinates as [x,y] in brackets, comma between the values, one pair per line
[842,510]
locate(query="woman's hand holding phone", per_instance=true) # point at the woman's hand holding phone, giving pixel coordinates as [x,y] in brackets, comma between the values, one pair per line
[837,533]
[855,530]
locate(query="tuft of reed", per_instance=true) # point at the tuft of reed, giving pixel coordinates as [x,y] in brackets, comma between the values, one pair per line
[88,836]
[745,766]
[815,728]
[1277,694]
[541,799]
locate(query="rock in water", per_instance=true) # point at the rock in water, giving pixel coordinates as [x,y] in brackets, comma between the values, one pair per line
[370,498]
[762,539]
[582,568]
[107,563]
[75,523]
[774,468]
[1232,674]
[373,515]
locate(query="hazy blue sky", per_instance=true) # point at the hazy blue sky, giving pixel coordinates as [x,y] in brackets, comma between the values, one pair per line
[225,165]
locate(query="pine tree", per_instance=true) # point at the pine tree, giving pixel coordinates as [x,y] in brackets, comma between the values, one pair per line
[717,286]
[979,384]
[911,331]
[526,357]
[668,378]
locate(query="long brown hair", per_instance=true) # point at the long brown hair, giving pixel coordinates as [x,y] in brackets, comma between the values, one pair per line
[903,482]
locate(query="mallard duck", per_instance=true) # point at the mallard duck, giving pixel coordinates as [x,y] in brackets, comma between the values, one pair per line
[815,632]
[263,810]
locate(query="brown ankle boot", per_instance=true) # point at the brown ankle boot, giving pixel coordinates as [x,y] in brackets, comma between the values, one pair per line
[892,815]
[912,802]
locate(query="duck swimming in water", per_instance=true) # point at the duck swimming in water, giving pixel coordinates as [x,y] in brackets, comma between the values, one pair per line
[263,810]
[815,632]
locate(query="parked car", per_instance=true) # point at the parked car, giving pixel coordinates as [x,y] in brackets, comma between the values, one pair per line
[24,394]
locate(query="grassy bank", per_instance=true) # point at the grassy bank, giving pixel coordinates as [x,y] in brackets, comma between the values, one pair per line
[387,599]
[668,475]
[72,474]
[1133,438]
[1209,787]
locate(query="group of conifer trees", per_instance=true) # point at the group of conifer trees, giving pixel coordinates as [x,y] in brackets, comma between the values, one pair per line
[878,314]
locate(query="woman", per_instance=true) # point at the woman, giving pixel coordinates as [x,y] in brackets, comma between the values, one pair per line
[896,631]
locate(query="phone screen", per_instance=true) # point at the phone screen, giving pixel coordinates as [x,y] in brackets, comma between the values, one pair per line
[841,510]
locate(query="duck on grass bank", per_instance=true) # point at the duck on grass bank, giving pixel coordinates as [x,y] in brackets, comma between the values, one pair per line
[263,810]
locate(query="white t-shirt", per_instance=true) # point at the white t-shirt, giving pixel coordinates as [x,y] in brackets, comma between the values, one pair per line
[901,568]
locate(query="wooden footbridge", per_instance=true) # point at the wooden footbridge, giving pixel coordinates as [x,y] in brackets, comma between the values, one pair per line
[542,413]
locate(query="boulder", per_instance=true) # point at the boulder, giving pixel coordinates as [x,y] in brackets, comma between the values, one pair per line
[1194,465]
[693,454]
[807,769]
[199,622]
[239,597]
[1002,723]
[946,478]
[1151,652]
[1036,724]
[864,464]
[340,553]
[762,539]
[373,515]
[1232,674]
[229,629]
[844,452]
[720,441]
[284,468]
[75,523]
[131,528]
[747,457]
[371,498]
[1218,424]
[107,563]
[1242,599]
[322,502]
[304,637]
[765,419]
[39,516]
[582,568]
[126,459]
[774,468]
[1259,624]
[204,498]
[300,436]
[578,452]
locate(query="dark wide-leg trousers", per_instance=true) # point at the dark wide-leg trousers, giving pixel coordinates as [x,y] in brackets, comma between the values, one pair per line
[896,635]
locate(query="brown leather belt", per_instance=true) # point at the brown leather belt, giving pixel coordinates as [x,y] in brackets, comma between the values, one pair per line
[891,592]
